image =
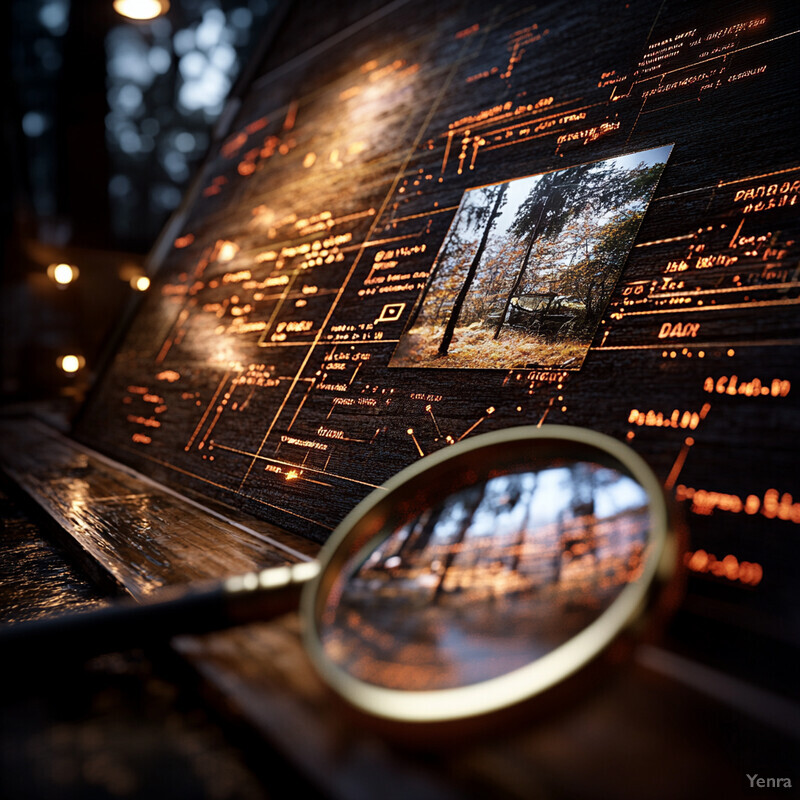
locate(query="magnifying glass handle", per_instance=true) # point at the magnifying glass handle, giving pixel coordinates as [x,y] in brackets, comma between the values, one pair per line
[236,601]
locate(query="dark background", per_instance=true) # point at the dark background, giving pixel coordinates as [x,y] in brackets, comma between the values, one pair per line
[104,123]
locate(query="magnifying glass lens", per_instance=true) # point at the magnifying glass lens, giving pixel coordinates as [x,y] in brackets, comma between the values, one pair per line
[471,585]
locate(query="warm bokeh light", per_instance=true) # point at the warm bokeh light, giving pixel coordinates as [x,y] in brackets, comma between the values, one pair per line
[227,251]
[141,283]
[62,274]
[71,363]
[141,9]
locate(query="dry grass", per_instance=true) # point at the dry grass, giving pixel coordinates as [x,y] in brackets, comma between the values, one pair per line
[474,348]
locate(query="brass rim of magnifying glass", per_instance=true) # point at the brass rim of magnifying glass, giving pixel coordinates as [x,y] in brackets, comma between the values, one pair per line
[378,516]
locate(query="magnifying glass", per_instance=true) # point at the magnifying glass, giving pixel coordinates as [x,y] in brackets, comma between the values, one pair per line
[478,578]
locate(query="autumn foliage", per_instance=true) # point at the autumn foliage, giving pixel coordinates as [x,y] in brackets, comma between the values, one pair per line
[528,266]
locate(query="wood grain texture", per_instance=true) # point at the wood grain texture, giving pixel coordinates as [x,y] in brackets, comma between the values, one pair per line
[36,576]
[143,536]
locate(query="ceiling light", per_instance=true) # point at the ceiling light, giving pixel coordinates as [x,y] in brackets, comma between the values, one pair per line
[141,9]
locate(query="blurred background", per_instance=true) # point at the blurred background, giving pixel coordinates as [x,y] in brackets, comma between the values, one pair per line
[106,119]
[104,124]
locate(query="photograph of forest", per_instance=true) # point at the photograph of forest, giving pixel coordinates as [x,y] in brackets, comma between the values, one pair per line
[528,266]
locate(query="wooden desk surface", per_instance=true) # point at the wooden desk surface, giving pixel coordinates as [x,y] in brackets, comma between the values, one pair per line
[638,735]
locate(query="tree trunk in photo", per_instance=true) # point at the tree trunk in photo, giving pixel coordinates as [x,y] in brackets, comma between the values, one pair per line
[447,338]
[526,258]
[527,523]
[420,536]
[522,270]
[470,510]
[431,278]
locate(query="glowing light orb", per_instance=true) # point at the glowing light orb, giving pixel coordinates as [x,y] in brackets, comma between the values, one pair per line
[71,363]
[62,274]
[141,9]
[141,283]
[227,251]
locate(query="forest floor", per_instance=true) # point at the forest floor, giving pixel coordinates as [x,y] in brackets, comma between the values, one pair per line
[474,348]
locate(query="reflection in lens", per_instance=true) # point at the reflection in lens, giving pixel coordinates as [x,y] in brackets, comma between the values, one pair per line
[490,579]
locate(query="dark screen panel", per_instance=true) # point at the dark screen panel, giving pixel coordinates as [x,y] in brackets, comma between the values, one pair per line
[258,371]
